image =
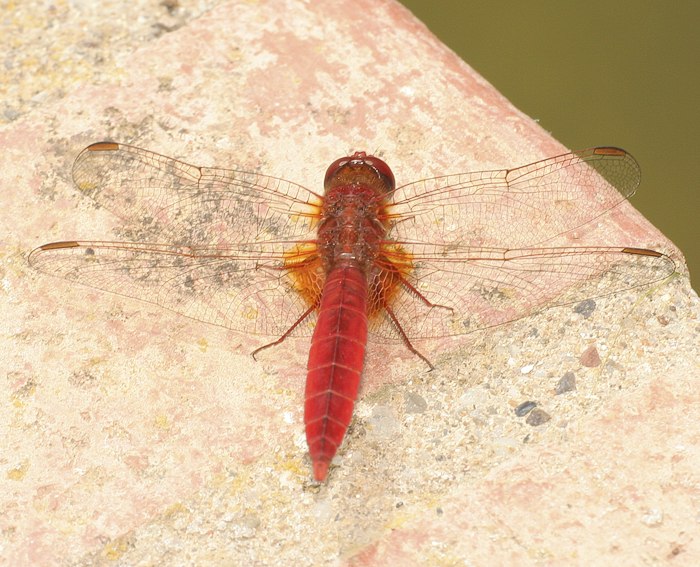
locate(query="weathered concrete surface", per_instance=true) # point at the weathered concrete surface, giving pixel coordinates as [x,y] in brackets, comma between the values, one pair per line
[134,436]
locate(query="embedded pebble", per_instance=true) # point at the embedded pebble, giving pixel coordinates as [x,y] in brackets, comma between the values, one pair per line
[537,417]
[527,369]
[525,408]
[653,517]
[414,403]
[585,308]
[567,383]
[590,357]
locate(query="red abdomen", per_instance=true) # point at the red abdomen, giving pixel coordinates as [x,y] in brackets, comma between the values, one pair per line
[335,364]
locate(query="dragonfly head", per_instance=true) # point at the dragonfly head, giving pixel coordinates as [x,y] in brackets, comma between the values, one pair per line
[357,166]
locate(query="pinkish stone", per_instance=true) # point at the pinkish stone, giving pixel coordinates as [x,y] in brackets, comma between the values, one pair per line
[134,436]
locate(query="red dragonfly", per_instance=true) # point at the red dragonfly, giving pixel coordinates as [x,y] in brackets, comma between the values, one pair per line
[437,257]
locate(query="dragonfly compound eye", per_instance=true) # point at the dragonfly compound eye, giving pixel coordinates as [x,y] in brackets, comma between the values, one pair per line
[359,159]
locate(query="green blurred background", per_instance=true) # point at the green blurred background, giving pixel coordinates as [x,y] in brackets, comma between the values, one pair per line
[595,73]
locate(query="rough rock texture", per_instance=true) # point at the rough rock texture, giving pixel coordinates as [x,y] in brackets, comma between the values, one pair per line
[133,436]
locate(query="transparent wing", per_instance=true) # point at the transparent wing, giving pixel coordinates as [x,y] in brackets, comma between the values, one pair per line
[513,208]
[478,243]
[246,288]
[189,205]
[238,249]
[212,244]
[477,288]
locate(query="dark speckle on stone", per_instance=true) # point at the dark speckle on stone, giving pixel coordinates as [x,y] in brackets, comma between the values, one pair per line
[537,417]
[567,383]
[525,408]
[585,308]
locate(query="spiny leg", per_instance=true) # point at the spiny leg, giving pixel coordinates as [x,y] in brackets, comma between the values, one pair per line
[404,282]
[287,332]
[404,337]
[395,274]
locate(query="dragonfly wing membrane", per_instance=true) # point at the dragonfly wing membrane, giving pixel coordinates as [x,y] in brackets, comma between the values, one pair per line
[525,206]
[477,288]
[156,194]
[246,289]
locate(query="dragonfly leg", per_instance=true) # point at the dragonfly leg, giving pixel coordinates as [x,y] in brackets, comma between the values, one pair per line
[404,337]
[411,288]
[286,333]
